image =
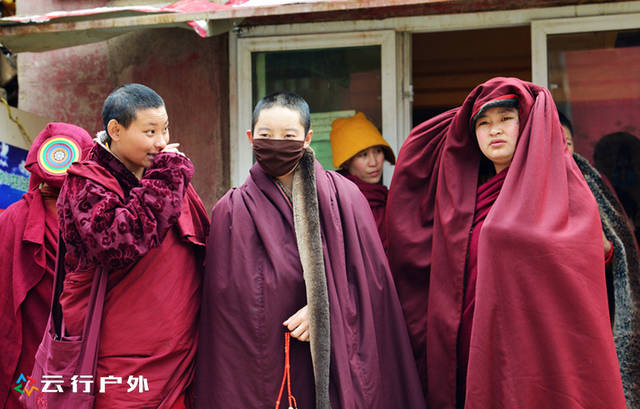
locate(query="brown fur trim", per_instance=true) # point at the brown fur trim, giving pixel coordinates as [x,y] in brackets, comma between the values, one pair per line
[307,226]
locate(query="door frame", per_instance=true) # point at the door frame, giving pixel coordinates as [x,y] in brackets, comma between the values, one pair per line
[541,29]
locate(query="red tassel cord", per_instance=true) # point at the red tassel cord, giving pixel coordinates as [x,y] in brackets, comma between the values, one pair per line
[286,378]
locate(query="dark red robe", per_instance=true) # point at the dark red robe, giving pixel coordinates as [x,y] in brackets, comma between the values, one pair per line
[487,194]
[254,282]
[376,195]
[541,336]
[29,231]
[150,234]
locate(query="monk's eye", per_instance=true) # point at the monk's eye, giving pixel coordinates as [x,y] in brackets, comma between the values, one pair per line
[264,135]
[290,135]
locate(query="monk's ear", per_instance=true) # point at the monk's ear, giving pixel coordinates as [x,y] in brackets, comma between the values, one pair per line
[113,127]
[250,136]
[307,139]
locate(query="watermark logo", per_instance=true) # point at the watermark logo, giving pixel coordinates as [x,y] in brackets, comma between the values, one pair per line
[29,385]
[80,384]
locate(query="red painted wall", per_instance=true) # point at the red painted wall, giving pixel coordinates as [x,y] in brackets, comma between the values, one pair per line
[604,90]
[189,72]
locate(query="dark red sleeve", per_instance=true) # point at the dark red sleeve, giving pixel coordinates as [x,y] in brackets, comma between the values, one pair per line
[99,227]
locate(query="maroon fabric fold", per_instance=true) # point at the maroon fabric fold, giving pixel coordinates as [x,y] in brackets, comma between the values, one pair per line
[153,290]
[541,336]
[28,255]
[254,282]
[487,194]
[376,195]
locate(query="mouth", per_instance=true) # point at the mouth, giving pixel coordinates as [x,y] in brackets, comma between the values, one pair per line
[498,143]
[151,156]
[374,174]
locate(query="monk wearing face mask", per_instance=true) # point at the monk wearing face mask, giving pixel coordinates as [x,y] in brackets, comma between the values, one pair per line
[297,291]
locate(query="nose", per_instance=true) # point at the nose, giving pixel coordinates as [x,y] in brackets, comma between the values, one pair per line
[496,130]
[160,141]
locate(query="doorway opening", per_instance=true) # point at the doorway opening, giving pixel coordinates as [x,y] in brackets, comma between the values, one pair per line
[448,65]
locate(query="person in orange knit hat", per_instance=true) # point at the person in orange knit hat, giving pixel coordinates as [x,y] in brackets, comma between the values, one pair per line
[359,151]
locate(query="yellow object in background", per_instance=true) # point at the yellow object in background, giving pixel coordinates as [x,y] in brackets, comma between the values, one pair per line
[8,8]
[354,134]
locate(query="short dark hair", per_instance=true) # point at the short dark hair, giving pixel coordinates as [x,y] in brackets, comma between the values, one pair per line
[124,102]
[564,121]
[287,100]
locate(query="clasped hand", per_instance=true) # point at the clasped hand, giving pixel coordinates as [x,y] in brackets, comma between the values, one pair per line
[298,324]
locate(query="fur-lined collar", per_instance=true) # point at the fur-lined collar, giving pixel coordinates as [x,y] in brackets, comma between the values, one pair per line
[306,217]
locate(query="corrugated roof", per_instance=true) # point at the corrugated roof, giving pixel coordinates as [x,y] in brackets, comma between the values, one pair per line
[68,28]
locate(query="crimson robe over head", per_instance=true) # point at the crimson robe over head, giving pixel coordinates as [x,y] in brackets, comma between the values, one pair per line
[541,336]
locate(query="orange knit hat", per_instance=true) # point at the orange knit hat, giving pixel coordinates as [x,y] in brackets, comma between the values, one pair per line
[354,134]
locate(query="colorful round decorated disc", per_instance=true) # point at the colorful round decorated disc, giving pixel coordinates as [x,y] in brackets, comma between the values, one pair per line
[57,154]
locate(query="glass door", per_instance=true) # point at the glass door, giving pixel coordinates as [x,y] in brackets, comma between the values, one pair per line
[338,75]
[592,68]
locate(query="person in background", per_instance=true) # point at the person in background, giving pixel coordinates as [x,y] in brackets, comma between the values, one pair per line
[359,151]
[623,271]
[617,157]
[29,231]
[131,210]
[495,243]
[299,307]
[567,130]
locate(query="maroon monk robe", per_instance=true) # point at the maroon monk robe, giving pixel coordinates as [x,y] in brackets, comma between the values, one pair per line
[254,281]
[29,231]
[487,194]
[376,195]
[150,233]
[541,336]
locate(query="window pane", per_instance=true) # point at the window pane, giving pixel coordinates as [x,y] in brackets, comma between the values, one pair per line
[336,82]
[595,80]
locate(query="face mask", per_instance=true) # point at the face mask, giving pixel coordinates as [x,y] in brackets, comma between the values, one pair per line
[277,157]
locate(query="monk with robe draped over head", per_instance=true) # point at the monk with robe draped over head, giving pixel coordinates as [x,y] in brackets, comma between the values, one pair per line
[29,231]
[299,307]
[131,210]
[495,243]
